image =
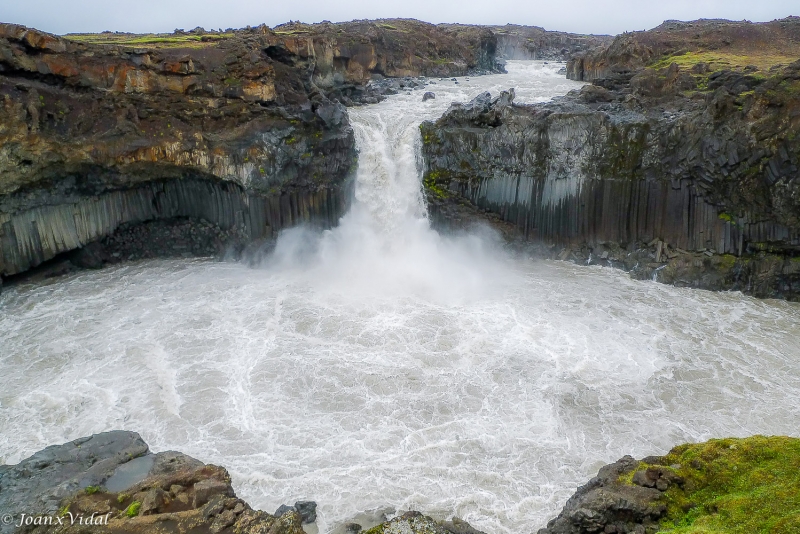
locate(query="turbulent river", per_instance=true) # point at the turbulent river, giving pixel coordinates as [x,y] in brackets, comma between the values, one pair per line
[380,364]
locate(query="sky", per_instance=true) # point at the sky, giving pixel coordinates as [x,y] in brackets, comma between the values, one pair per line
[578,16]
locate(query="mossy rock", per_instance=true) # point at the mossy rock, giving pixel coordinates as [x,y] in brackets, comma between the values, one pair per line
[409,523]
[733,486]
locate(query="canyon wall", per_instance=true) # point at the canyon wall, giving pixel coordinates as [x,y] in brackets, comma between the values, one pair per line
[688,178]
[531,42]
[244,129]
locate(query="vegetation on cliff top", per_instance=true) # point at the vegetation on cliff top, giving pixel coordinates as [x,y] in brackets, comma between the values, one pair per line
[733,486]
[150,40]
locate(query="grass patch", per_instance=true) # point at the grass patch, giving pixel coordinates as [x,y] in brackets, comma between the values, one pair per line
[91,490]
[149,40]
[717,60]
[133,509]
[735,486]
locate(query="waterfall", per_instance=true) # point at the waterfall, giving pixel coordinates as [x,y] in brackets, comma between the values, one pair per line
[379,365]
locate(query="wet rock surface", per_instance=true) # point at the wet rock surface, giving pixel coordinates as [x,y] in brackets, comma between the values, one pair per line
[605,504]
[687,178]
[173,494]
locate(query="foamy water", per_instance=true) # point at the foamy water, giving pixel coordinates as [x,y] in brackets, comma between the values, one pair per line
[382,365]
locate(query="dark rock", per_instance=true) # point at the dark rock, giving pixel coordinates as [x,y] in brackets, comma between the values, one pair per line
[459,526]
[603,504]
[282,509]
[428,96]
[54,480]
[307,510]
[592,94]
[39,483]
[205,489]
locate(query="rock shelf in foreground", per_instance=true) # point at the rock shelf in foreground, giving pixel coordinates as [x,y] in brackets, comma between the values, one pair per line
[737,486]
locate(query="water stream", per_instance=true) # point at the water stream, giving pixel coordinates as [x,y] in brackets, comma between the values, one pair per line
[380,364]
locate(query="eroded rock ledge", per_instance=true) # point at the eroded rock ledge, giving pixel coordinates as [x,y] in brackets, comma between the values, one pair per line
[115,484]
[688,174]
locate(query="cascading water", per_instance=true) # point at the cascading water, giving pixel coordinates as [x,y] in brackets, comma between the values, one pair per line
[382,365]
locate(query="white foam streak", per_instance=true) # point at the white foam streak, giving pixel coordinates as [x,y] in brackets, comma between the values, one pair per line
[380,364]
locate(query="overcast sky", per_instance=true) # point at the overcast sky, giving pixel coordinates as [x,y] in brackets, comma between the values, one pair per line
[580,16]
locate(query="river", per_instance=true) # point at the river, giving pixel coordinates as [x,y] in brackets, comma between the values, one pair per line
[380,364]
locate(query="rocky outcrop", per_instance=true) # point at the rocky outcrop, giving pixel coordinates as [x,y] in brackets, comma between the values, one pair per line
[532,42]
[701,41]
[110,482]
[342,58]
[691,178]
[716,486]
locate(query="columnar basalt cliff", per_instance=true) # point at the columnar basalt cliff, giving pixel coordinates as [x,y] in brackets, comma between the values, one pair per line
[96,136]
[243,129]
[686,174]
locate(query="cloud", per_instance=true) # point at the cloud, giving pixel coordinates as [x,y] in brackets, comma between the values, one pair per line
[579,16]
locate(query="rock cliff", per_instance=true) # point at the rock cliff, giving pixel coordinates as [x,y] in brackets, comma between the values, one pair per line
[532,42]
[720,42]
[684,173]
[235,133]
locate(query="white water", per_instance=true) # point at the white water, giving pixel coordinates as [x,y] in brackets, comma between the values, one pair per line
[380,364]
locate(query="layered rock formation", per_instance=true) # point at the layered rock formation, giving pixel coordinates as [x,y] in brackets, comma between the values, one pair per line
[344,57]
[243,130]
[686,174]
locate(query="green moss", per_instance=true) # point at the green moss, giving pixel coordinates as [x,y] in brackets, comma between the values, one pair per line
[122,497]
[290,141]
[378,529]
[91,490]
[133,509]
[727,261]
[434,181]
[735,486]
[64,510]
[624,153]
[718,60]
[726,217]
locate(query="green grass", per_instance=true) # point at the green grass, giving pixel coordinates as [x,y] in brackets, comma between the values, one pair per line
[725,60]
[133,509]
[735,486]
[91,490]
[149,40]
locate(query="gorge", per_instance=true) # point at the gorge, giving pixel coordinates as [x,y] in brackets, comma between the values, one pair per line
[380,347]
